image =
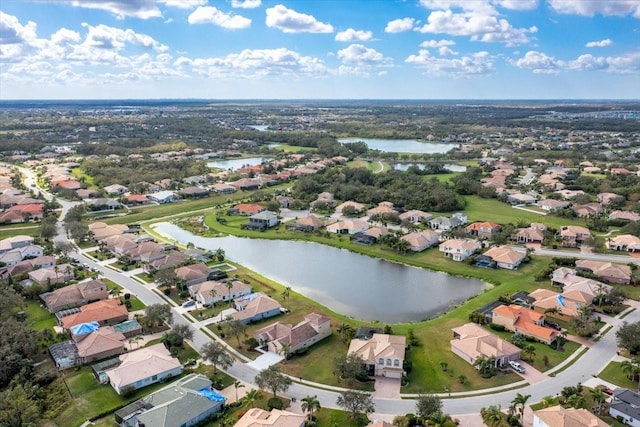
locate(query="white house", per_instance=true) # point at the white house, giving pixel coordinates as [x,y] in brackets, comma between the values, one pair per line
[211,292]
[164,196]
[626,404]
[459,249]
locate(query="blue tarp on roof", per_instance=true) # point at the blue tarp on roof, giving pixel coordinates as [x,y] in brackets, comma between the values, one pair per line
[211,395]
[85,328]
[560,300]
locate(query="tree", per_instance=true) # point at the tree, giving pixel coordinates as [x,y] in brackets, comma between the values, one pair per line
[520,401]
[251,396]
[310,404]
[237,384]
[628,336]
[157,314]
[599,397]
[346,331]
[272,379]
[529,351]
[561,339]
[166,277]
[492,416]
[631,369]
[219,254]
[286,293]
[485,366]
[184,331]
[229,286]
[356,403]
[217,354]
[428,404]
[235,328]
[349,367]
[18,407]
[285,350]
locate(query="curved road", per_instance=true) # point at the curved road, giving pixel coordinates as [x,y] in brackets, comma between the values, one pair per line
[587,365]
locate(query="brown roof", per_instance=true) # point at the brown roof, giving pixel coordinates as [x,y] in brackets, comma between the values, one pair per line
[256,417]
[192,271]
[100,341]
[100,311]
[557,416]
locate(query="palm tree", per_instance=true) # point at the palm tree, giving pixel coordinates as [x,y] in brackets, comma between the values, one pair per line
[598,396]
[286,293]
[492,416]
[485,366]
[561,339]
[285,349]
[213,294]
[576,401]
[520,401]
[631,368]
[229,285]
[251,396]
[548,401]
[237,384]
[530,351]
[552,311]
[310,404]
[344,330]
[219,254]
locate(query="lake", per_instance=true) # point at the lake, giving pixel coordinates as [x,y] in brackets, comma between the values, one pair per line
[348,283]
[448,166]
[235,164]
[402,145]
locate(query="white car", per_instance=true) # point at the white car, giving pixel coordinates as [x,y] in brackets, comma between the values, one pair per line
[517,367]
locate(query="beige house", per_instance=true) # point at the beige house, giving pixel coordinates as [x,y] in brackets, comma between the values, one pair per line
[625,215]
[610,272]
[211,292]
[350,203]
[256,417]
[100,230]
[383,354]
[75,295]
[624,242]
[98,345]
[525,321]
[53,275]
[532,234]
[348,226]
[557,416]
[574,235]
[193,274]
[459,249]
[421,240]
[143,367]
[415,216]
[312,329]
[307,223]
[472,341]
[383,208]
[254,307]
[506,257]
[105,312]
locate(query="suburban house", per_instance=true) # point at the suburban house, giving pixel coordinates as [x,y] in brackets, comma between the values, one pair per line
[246,209]
[443,223]
[506,257]
[307,223]
[15,242]
[143,367]
[119,244]
[624,242]
[459,249]
[105,312]
[567,305]
[221,188]
[166,260]
[312,329]
[587,210]
[135,199]
[610,272]
[415,216]
[523,320]
[262,221]
[193,274]
[75,295]
[211,292]
[164,196]
[573,235]
[194,192]
[53,275]
[28,211]
[551,205]
[256,417]
[532,234]
[348,226]
[472,341]
[626,404]
[358,207]
[483,230]
[115,189]
[421,240]
[102,204]
[558,416]
[625,215]
[383,208]
[383,354]
[254,307]
[99,230]
[145,252]
[521,199]
[185,402]
[100,344]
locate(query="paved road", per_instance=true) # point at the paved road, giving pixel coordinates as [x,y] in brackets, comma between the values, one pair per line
[589,364]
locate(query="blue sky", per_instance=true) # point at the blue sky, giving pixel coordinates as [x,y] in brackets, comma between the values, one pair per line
[263,49]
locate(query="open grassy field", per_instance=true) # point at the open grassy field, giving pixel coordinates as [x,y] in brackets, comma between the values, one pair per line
[12,230]
[83,177]
[38,317]
[613,373]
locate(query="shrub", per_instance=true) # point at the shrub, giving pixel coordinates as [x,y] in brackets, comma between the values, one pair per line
[251,342]
[275,403]
[496,327]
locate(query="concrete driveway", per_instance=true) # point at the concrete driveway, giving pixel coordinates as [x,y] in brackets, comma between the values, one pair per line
[388,388]
[532,374]
[267,359]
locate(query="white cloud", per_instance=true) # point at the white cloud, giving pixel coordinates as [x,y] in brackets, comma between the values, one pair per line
[351,35]
[12,32]
[517,4]
[436,43]
[184,4]
[476,64]
[600,43]
[600,7]
[481,27]
[444,51]
[538,62]
[246,4]
[399,25]
[105,37]
[290,21]
[143,9]
[64,36]
[479,5]
[211,15]
[359,54]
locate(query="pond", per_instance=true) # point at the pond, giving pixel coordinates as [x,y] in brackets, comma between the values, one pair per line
[235,164]
[348,283]
[402,145]
[448,166]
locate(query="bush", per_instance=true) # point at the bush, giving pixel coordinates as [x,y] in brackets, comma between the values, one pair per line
[166,291]
[183,294]
[275,403]
[251,342]
[496,327]
[127,391]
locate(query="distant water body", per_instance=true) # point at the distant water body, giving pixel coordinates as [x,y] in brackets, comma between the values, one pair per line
[401,145]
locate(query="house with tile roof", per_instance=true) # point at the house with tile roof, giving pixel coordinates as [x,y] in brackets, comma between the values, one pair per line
[348,226]
[75,295]
[313,328]
[358,207]
[254,307]
[420,240]
[459,249]
[506,257]
[415,216]
[246,209]
[211,292]
[143,367]
[609,271]
[558,416]
[100,230]
[573,235]
[105,312]
[53,275]
[256,417]
[624,242]
[383,354]
[167,260]
[625,215]
[523,320]
[185,402]
[193,274]
[100,344]
[307,223]
[483,230]
[383,208]
[532,234]
[472,341]
[551,205]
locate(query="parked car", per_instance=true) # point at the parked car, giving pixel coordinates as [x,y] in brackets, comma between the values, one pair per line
[605,389]
[517,367]
[189,303]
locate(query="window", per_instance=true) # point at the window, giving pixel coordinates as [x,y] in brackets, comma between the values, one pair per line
[153,378]
[396,363]
[381,361]
[388,362]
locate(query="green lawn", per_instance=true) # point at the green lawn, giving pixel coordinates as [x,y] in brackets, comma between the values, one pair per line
[7,231]
[39,317]
[613,374]
[145,277]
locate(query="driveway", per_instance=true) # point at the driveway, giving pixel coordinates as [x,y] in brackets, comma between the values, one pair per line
[267,359]
[532,374]
[388,388]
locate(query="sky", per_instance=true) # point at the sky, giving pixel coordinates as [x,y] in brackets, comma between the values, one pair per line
[320,49]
